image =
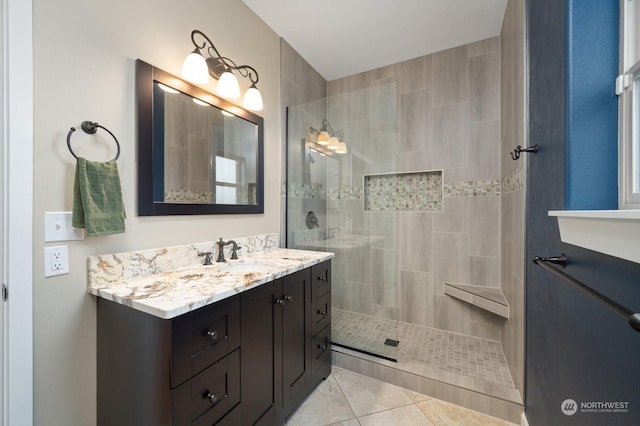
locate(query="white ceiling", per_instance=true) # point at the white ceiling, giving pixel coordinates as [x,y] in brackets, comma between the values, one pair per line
[344,37]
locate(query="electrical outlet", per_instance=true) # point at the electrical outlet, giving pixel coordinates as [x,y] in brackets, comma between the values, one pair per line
[56,261]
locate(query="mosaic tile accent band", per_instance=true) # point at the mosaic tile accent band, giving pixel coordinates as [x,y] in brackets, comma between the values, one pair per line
[184,196]
[478,188]
[513,182]
[404,191]
[379,193]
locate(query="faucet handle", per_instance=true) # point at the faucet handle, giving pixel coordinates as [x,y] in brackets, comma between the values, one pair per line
[207,257]
[234,249]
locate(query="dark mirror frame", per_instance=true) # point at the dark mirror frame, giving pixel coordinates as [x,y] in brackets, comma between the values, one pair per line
[146,75]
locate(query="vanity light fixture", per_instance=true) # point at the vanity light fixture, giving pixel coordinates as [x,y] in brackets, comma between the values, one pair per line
[197,68]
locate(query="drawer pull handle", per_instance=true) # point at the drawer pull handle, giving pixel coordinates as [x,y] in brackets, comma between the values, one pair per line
[288,298]
[212,397]
[279,302]
[322,278]
[322,347]
[323,313]
[212,335]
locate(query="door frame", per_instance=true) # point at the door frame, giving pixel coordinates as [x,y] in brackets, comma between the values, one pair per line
[17,144]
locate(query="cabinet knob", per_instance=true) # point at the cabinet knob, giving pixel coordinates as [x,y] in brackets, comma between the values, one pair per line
[212,397]
[212,335]
[279,302]
[321,278]
[322,347]
[288,298]
[323,313]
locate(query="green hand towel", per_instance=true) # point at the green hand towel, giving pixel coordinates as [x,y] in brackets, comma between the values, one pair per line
[97,198]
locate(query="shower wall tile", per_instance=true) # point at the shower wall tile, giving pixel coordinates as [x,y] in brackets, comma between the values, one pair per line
[484,271]
[415,120]
[513,125]
[450,258]
[411,161]
[437,122]
[385,277]
[416,74]
[484,152]
[414,240]
[416,297]
[454,217]
[484,84]
[451,136]
[450,76]
[338,287]
[387,72]
[484,226]
[358,297]
[359,266]
[484,46]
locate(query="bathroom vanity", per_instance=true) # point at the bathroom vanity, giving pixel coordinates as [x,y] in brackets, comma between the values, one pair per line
[239,343]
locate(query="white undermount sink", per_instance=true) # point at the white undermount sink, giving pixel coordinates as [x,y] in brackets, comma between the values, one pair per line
[246,268]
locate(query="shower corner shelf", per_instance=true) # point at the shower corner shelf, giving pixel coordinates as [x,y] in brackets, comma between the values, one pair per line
[490,299]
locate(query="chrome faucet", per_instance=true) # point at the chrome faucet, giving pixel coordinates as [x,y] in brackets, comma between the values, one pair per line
[234,248]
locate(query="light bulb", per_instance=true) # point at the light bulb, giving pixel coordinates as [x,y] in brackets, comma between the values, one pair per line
[334,143]
[195,68]
[167,88]
[253,99]
[228,86]
[323,138]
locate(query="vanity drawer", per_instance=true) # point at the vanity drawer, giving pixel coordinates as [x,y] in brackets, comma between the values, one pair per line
[320,313]
[321,353]
[207,397]
[320,279]
[203,337]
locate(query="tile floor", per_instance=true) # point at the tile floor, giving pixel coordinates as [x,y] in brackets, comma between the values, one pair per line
[351,399]
[470,356]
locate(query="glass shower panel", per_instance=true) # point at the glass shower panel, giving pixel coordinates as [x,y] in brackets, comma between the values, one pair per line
[326,210]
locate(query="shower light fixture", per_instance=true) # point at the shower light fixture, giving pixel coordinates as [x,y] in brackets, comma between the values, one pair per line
[197,68]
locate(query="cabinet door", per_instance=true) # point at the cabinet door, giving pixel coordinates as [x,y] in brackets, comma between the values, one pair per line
[296,355]
[261,354]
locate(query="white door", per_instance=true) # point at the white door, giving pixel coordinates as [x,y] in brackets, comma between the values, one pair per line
[3,278]
[16,192]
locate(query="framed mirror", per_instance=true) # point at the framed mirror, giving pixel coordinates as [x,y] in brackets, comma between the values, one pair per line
[197,153]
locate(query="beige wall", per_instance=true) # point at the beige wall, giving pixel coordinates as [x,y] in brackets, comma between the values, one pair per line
[84,53]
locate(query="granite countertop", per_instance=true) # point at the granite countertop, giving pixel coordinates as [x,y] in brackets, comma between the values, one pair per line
[172,293]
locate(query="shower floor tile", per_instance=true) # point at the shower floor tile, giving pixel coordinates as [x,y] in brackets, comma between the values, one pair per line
[470,356]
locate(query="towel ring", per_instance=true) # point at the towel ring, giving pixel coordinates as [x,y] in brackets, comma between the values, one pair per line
[90,127]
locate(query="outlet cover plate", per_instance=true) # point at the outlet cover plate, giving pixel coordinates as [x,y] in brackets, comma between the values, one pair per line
[57,227]
[56,261]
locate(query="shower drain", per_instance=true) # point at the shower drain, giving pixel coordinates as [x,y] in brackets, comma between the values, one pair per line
[391,342]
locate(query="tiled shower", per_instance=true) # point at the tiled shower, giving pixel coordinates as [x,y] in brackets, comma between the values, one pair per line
[424,196]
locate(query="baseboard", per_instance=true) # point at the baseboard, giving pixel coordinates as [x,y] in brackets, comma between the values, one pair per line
[523,420]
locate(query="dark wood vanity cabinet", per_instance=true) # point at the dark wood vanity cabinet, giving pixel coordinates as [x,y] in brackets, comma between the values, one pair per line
[285,352]
[247,360]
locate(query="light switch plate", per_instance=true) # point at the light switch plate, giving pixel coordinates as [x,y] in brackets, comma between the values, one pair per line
[57,227]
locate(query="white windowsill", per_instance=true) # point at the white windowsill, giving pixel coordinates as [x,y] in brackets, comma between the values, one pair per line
[612,232]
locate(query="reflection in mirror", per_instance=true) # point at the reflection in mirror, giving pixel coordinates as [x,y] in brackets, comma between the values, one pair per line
[209,154]
[198,154]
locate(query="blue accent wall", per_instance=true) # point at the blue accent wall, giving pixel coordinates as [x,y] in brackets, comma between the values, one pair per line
[576,347]
[592,106]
